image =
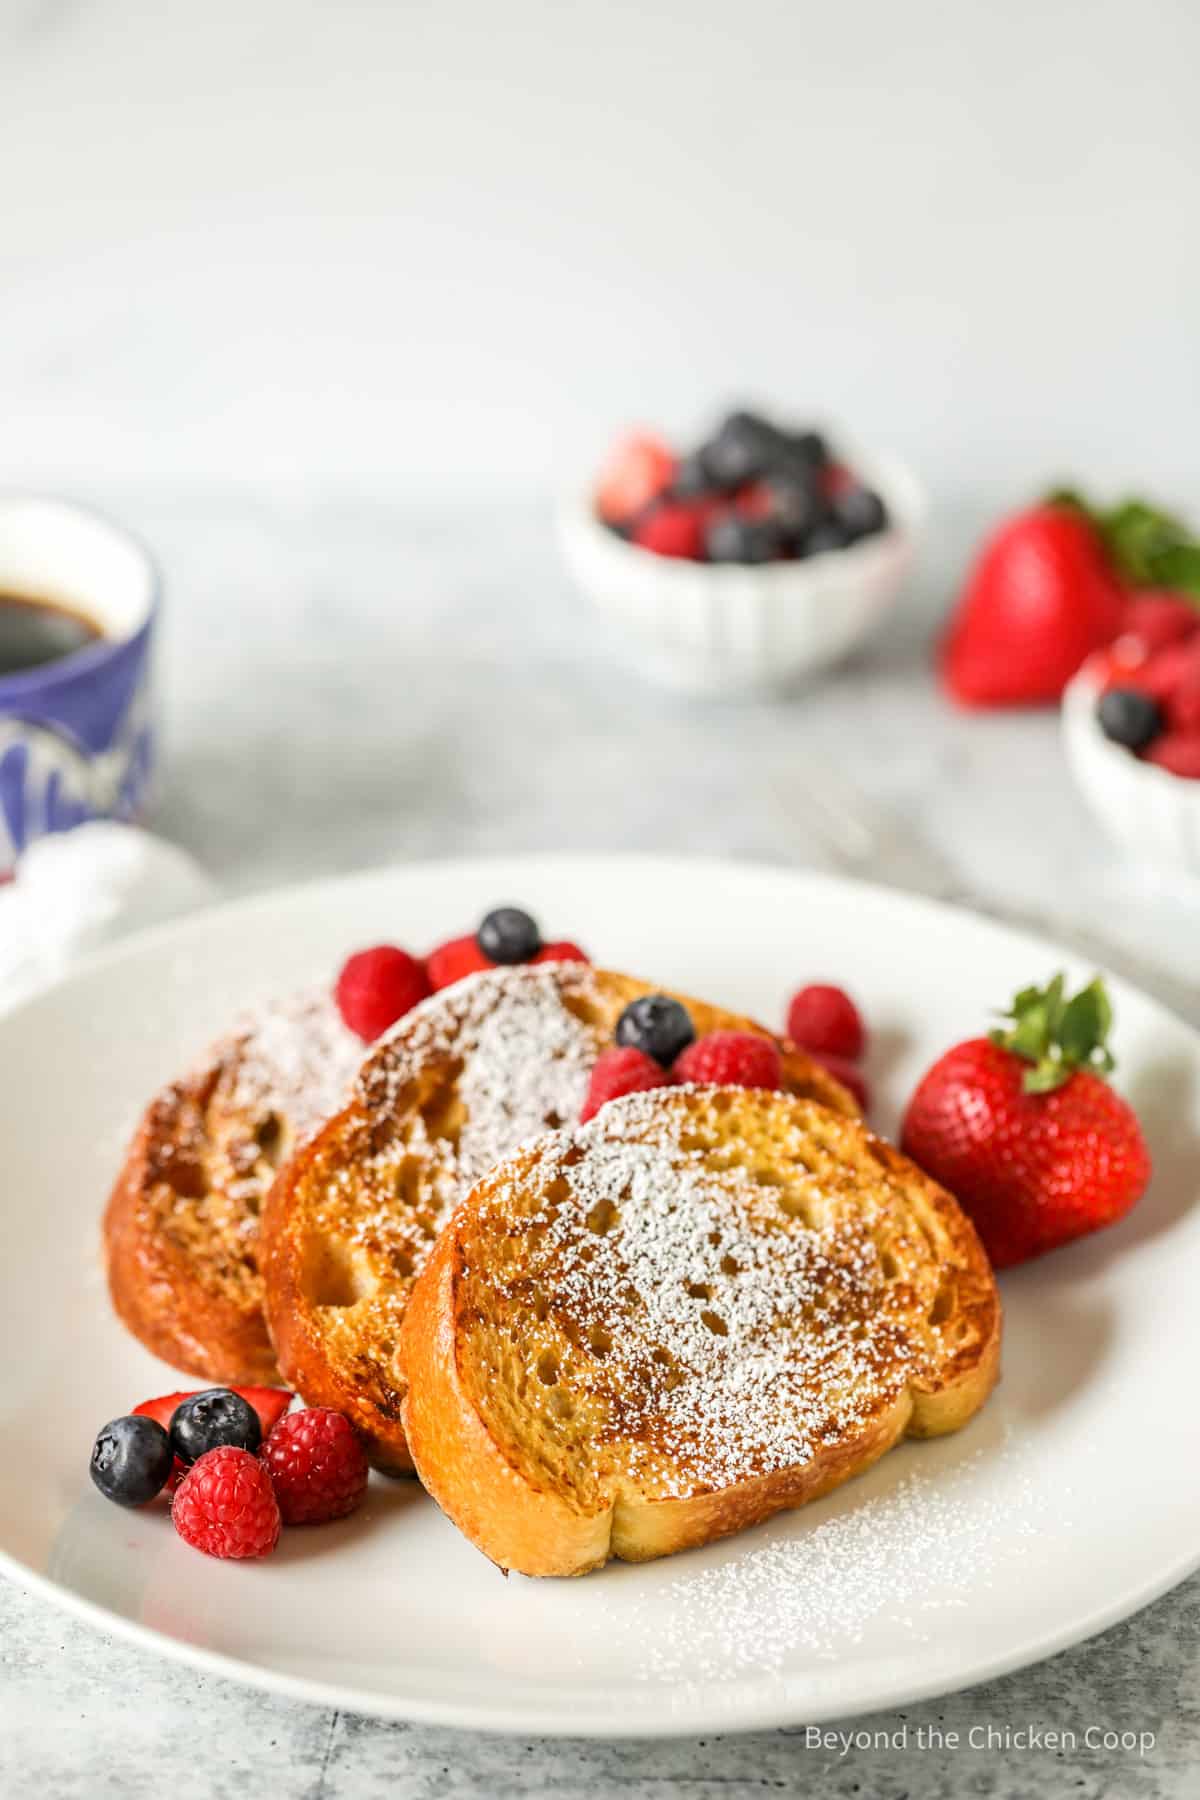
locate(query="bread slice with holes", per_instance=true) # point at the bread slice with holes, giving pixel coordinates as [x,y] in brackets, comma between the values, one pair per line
[462,1081]
[181,1227]
[706,1305]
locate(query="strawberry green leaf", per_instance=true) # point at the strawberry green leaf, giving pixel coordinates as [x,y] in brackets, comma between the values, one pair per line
[1057,1036]
[1147,546]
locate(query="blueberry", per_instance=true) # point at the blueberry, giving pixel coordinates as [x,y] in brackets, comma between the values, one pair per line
[830,534]
[658,1026]
[733,539]
[809,447]
[131,1459]
[861,511]
[509,935]
[693,478]
[741,450]
[215,1417]
[1129,717]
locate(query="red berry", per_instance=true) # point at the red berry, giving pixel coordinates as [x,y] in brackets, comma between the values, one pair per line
[225,1505]
[562,951]
[1183,707]
[1178,752]
[378,986]
[825,1018]
[672,529]
[848,1073]
[731,1059]
[837,479]
[622,1070]
[1168,669]
[639,469]
[317,1465]
[1158,617]
[754,501]
[451,961]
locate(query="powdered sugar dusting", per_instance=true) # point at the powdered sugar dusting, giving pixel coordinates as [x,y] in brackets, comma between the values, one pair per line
[732,1337]
[523,1059]
[816,1587]
[293,1057]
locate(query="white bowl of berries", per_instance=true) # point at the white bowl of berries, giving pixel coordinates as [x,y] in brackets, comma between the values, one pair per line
[761,556]
[1131,727]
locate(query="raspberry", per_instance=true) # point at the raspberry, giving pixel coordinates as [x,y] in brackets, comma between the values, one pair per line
[848,1073]
[376,987]
[640,468]
[1158,618]
[826,1018]
[623,1070]
[731,1059]
[1183,706]
[317,1465]
[672,529]
[1177,752]
[562,951]
[225,1505]
[451,961]
[1168,669]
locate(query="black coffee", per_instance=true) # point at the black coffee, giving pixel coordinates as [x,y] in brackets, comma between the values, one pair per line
[33,632]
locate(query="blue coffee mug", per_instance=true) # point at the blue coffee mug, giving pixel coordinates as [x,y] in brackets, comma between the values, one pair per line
[77,735]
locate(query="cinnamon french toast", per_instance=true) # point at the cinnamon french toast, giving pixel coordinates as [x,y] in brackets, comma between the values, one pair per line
[704,1306]
[463,1080]
[181,1228]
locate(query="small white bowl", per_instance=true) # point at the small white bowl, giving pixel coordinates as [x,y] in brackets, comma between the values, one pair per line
[1147,811]
[707,628]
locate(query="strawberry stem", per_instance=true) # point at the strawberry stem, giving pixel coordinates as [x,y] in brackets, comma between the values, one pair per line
[1057,1036]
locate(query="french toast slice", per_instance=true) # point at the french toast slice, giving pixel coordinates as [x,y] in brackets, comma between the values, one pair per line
[460,1082]
[704,1306]
[181,1227]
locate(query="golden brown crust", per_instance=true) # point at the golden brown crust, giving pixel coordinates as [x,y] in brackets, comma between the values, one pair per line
[181,1229]
[474,1430]
[157,1287]
[352,1218]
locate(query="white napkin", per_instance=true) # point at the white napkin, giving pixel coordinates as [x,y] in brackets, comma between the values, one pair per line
[76,890]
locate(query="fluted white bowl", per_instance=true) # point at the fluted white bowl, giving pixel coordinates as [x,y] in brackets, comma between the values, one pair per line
[725,629]
[1147,811]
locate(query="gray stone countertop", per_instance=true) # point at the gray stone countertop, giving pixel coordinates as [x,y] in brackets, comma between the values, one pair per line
[349,682]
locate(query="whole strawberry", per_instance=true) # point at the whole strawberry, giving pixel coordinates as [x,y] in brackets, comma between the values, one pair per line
[1024,1130]
[1041,597]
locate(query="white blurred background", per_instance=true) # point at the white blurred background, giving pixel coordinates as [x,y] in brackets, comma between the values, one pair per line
[432,246]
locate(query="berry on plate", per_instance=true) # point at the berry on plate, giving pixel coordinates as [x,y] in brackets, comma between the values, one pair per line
[454,961]
[213,1419]
[821,1017]
[507,935]
[623,1070]
[226,1506]
[1024,1130]
[640,468]
[317,1466]
[731,1059]
[269,1403]
[656,1025]
[1041,597]
[378,986]
[131,1460]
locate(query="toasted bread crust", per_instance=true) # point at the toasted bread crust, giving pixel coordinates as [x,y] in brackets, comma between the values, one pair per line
[156,1286]
[180,1232]
[343,1185]
[498,1492]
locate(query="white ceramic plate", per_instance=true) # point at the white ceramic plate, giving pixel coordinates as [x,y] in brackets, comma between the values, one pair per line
[1069,1502]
